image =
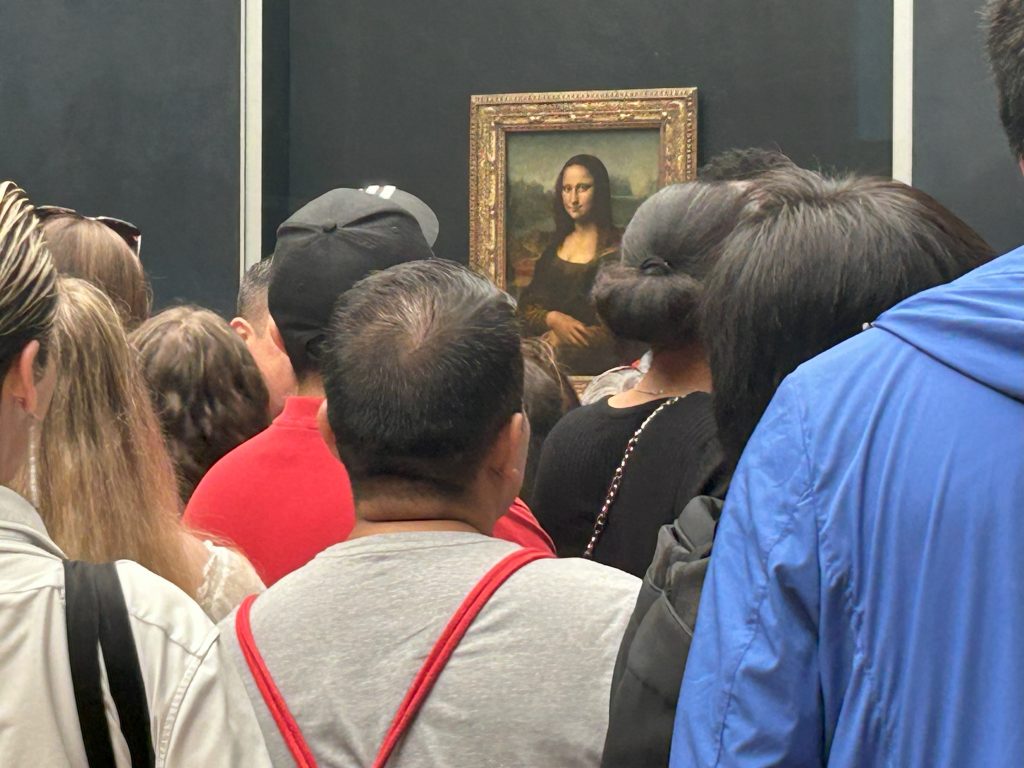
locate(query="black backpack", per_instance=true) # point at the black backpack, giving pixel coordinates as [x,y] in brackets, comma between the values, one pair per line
[652,657]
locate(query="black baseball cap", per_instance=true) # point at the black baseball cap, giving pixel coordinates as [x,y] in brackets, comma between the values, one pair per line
[325,248]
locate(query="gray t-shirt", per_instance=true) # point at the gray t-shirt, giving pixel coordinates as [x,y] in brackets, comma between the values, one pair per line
[528,685]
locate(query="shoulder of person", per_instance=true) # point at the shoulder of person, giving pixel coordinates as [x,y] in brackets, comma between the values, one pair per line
[577,421]
[602,584]
[163,615]
[225,486]
[200,710]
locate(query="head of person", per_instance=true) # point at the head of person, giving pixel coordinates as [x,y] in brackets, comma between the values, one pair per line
[253,324]
[89,249]
[105,482]
[583,194]
[1005,19]
[810,262]
[743,164]
[28,305]
[548,395]
[324,249]
[206,388]
[423,373]
[672,243]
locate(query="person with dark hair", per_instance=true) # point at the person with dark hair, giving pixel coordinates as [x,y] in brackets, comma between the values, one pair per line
[613,472]
[205,386]
[282,497]
[730,165]
[435,440]
[162,686]
[869,548]
[1005,19]
[744,164]
[548,395]
[556,304]
[102,424]
[900,241]
[103,251]
[253,323]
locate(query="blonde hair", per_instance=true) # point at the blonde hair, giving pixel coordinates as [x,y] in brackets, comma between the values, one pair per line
[90,250]
[106,484]
[28,281]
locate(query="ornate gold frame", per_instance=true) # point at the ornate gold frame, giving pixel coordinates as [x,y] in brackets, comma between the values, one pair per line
[672,110]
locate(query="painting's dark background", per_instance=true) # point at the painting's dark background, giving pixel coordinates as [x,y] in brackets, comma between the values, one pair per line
[131,107]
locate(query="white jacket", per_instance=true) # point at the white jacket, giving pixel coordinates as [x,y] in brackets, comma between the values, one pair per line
[200,713]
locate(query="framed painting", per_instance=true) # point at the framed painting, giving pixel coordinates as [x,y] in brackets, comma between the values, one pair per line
[554,180]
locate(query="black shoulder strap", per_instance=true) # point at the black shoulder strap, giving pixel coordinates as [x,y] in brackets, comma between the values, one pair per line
[82,608]
[97,614]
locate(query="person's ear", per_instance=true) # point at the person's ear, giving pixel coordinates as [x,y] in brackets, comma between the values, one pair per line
[1020,164]
[20,381]
[242,327]
[508,454]
[326,432]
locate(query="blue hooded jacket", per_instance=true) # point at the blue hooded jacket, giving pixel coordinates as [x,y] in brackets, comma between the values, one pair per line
[864,605]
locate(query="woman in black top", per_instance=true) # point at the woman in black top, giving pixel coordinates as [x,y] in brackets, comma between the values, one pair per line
[652,296]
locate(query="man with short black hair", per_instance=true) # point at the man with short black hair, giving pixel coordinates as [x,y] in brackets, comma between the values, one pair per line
[253,323]
[435,440]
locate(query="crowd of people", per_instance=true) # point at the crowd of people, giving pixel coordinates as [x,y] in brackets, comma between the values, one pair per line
[370,521]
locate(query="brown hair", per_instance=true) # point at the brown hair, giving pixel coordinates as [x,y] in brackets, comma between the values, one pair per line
[90,250]
[106,484]
[205,385]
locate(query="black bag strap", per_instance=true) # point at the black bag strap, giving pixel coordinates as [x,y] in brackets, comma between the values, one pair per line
[82,609]
[97,615]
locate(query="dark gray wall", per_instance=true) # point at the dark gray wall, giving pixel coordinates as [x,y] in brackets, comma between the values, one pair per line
[379,91]
[276,117]
[130,108]
[960,152]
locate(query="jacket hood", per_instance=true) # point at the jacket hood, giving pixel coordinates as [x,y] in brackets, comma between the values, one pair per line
[974,325]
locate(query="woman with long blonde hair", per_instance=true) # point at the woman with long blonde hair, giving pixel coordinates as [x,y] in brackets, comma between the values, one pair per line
[56,709]
[106,486]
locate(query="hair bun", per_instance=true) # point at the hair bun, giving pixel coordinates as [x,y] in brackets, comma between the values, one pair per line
[655,265]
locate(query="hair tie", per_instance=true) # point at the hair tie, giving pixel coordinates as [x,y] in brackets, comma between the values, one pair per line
[655,265]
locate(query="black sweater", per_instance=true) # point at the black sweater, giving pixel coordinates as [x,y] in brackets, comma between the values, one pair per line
[676,458]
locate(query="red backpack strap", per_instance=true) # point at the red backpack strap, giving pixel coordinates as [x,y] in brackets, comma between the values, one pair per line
[447,643]
[286,724]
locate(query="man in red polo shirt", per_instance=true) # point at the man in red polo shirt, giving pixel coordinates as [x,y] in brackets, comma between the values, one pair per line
[282,497]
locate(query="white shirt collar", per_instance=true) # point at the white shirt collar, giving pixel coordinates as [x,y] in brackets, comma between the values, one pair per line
[20,521]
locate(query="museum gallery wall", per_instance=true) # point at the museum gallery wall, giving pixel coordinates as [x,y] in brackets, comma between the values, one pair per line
[385,96]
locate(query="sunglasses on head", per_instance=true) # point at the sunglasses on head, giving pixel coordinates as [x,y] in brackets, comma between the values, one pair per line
[123,229]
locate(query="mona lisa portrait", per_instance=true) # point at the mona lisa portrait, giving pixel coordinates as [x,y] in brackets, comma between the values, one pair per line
[554,288]
[561,200]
